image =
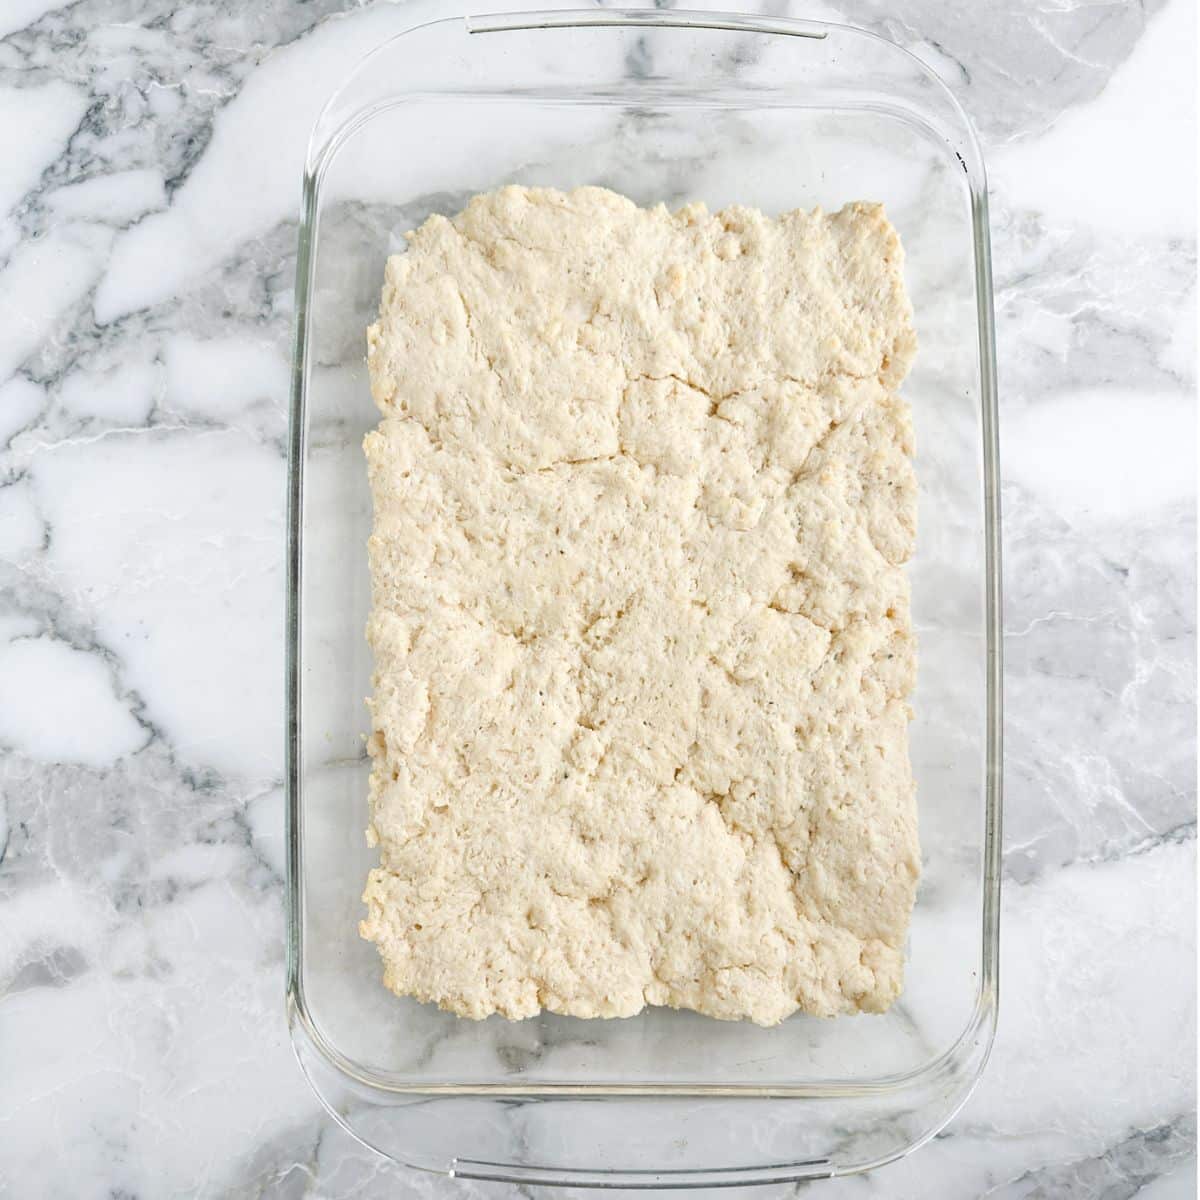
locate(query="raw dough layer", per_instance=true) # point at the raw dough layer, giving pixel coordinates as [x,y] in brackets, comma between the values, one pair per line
[643,496]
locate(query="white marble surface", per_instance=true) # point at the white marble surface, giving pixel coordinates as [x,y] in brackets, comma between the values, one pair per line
[150,157]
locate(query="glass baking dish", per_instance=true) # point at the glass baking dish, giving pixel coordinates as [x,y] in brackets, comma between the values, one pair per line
[669,106]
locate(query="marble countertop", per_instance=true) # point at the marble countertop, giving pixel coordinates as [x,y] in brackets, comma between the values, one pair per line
[151,156]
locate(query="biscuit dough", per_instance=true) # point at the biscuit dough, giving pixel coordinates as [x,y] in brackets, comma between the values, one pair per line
[643,496]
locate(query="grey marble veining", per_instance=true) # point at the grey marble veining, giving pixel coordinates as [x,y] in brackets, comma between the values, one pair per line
[1021,64]
[148,196]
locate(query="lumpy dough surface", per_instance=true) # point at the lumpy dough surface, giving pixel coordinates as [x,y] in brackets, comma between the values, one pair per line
[643,498]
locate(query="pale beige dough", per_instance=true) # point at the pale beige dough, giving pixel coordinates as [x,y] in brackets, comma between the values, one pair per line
[643,498]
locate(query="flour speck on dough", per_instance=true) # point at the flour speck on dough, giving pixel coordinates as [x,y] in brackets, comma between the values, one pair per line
[643,499]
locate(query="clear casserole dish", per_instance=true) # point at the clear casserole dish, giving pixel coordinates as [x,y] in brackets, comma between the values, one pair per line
[668,106]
